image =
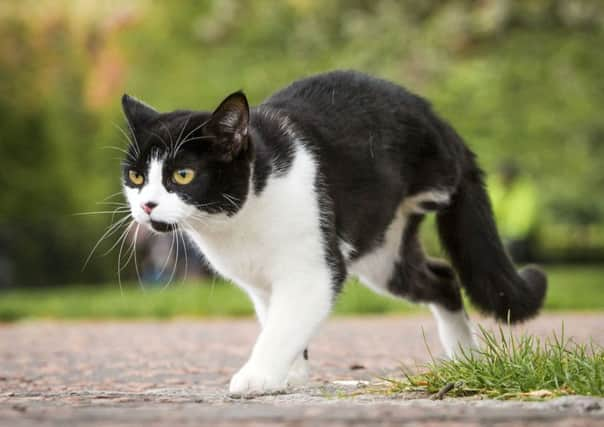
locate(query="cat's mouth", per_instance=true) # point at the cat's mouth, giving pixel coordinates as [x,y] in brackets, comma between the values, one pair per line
[163,227]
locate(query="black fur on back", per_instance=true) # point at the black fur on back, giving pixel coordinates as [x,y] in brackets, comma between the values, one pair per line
[378,144]
[375,145]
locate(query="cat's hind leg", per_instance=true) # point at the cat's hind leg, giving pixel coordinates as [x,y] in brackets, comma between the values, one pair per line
[433,282]
[400,268]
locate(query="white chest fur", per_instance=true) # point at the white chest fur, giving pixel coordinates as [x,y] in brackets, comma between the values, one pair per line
[267,238]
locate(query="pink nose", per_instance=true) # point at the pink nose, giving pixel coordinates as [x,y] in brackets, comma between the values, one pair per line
[148,207]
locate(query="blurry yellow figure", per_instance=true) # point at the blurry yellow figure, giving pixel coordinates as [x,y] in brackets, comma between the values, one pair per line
[515,202]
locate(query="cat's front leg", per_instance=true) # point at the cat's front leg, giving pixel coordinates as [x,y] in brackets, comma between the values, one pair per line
[296,309]
[299,372]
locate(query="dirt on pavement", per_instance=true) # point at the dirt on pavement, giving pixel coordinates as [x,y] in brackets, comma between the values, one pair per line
[176,373]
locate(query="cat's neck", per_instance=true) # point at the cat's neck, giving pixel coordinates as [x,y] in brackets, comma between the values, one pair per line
[274,143]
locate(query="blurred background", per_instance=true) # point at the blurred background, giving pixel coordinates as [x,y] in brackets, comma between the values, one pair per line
[522,81]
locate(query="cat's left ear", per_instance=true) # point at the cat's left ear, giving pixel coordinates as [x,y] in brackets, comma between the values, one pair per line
[230,124]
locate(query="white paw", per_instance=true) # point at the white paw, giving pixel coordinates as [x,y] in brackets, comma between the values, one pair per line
[257,380]
[455,331]
[465,345]
[299,372]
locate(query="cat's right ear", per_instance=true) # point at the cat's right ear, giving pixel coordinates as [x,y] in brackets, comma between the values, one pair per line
[229,125]
[137,112]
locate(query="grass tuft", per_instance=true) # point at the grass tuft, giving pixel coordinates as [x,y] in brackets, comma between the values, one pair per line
[508,367]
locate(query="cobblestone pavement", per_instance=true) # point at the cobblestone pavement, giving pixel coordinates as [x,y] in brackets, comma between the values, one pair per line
[176,373]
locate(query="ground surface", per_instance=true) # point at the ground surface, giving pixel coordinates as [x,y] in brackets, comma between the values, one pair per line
[176,373]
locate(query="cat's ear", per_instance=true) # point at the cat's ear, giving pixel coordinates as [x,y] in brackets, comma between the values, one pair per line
[137,112]
[230,124]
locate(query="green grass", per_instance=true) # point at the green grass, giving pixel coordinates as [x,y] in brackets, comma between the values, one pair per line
[571,288]
[515,368]
[192,299]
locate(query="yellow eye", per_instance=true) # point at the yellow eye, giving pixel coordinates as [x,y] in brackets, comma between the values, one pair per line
[183,176]
[135,177]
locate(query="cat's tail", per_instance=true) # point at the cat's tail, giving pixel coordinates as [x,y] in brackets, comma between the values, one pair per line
[467,231]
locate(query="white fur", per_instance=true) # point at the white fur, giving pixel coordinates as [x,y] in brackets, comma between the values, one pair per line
[413,203]
[346,248]
[299,373]
[454,329]
[375,268]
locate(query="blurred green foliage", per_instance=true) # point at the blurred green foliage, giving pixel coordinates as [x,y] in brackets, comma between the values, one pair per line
[570,288]
[519,80]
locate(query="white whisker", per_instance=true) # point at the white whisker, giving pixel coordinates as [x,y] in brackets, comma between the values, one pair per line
[231,199]
[135,145]
[131,251]
[111,196]
[161,272]
[161,139]
[122,236]
[179,140]
[195,129]
[174,265]
[118,210]
[168,132]
[138,275]
[184,245]
[119,257]
[118,204]
[121,150]
[111,229]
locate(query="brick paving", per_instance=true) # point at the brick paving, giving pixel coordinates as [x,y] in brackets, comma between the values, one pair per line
[176,373]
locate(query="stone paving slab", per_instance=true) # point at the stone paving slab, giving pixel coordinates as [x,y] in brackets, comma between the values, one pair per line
[176,373]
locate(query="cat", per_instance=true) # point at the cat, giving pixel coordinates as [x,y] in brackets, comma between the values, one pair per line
[329,177]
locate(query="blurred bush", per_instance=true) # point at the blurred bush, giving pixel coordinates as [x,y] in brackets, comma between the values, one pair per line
[519,80]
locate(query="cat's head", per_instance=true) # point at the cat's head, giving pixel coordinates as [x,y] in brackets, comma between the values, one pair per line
[184,167]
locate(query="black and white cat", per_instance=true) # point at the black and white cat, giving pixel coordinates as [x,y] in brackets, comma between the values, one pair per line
[327,178]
